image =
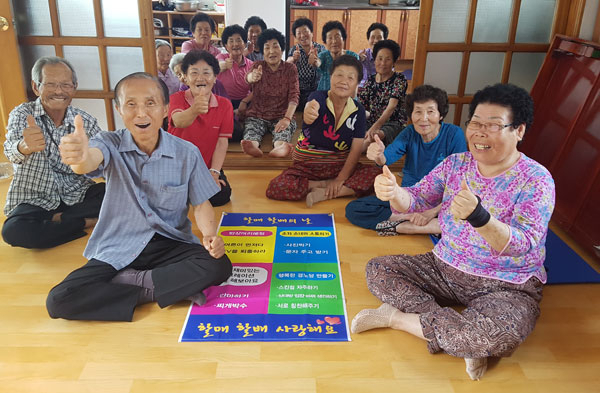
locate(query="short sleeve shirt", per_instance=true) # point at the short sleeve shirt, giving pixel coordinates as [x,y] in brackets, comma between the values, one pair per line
[41,178]
[375,97]
[328,135]
[234,79]
[307,74]
[207,128]
[145,195]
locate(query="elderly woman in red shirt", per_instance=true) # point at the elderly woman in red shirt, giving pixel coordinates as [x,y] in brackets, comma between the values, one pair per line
[203,118]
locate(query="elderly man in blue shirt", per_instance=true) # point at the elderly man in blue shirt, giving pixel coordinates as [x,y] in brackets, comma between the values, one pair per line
[142,248]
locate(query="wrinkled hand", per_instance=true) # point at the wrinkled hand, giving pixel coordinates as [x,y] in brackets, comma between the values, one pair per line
[74,147]
[214,245]
[201,100]
[227,64]
[375,150]
[255,75]
[311,111]
[464,203]
[282,125]
[33,137]
[370,134]
[313,56]
[250,47]
[420,219]
[334,188]
[362,55]
[386,185]
[296,54]
[220,182]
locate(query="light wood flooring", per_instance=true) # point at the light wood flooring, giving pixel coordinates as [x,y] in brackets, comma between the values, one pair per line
[39,354]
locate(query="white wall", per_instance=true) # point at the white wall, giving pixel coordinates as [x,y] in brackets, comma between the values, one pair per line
[589,19]
[271,11]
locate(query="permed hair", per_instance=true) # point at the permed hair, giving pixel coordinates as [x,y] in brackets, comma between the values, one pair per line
[270,34]
[194,56]
[202,17]
[387,44]
[143,75]
[348,60]
[255,21]
[425,93]
[332,25]
[36,71]
[302,22]
[380,26]
[509,96]
[231,31]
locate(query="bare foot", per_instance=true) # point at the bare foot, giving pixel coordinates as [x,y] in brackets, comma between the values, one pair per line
[251,149]
[315,196]
[476,367]
[281,151]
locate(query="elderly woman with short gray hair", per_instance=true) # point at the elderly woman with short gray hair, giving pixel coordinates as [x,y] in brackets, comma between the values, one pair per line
[164,53]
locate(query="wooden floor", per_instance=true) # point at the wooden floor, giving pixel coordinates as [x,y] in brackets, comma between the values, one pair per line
[38,354]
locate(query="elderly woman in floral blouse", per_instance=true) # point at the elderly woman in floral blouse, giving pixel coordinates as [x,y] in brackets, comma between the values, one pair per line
[496,205]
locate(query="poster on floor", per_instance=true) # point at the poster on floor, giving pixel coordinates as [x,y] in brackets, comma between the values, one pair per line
[286,283]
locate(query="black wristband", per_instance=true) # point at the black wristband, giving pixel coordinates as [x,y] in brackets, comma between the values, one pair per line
[479,217]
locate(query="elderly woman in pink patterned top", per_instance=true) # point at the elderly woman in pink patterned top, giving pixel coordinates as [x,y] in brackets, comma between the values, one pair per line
[496,205]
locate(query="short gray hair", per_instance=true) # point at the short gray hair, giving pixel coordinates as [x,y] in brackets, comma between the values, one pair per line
[158,43]
[36,71]
[176,60]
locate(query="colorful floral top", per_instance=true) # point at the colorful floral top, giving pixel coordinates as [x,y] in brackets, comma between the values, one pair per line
[376,96]
[522,197]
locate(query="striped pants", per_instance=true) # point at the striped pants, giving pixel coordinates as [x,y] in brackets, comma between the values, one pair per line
[497,318]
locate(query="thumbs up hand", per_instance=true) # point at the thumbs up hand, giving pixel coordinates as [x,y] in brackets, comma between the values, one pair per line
[386,185]
[464,202]
[33,138]
[201,99]
[313,55]
[375,151]
[296,54]
[311,111]
[255,75]
[74,148]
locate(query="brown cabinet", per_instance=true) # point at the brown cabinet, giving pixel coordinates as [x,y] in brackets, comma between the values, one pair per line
[401,23]
[172,19]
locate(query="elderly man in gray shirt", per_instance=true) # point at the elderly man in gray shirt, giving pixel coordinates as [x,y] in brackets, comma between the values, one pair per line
[142,248]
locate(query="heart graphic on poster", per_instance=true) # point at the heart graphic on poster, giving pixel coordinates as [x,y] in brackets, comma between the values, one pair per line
[332,320]
[320,321]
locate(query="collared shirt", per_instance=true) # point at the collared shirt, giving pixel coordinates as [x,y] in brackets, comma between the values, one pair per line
[207,128]
[274,91]
[145,195]
[193,45]
[234,79]
[255,56]
[327,138]
[307,74]
[170,80]
[41,179]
